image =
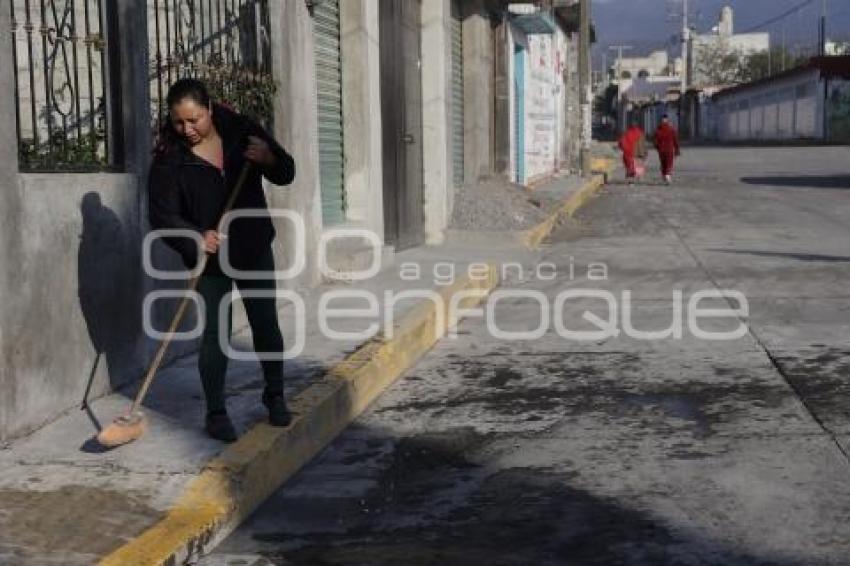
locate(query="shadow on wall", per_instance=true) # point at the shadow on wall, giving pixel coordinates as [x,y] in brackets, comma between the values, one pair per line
[107,290]
[808,181]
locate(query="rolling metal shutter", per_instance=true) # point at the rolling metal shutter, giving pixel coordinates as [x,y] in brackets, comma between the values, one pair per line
[457,94]
[329,97]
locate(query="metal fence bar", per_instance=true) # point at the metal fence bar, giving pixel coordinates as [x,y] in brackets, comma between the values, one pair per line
[109,106]
[158,60]
[88,43]
[168,52]
[74,40]
[203,29]
[28,26]
[43,30]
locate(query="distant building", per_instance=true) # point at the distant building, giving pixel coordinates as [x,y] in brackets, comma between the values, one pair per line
[723,39]
[652,68]
[656,64]
[834,48]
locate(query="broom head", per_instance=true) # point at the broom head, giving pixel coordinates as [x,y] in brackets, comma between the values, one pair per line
[123,430]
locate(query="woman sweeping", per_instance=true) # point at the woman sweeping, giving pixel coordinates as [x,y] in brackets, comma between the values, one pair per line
[667,144]
[201,151]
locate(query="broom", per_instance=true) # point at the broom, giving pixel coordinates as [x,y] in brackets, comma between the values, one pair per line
[132,425]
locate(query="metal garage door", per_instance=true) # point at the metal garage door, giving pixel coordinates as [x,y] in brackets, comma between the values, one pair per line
[457,93]
[329,96]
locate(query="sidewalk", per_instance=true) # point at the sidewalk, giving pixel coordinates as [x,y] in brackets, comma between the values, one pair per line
[175,493]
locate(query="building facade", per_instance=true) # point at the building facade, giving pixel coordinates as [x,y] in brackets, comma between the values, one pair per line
[806,103]
[388,106]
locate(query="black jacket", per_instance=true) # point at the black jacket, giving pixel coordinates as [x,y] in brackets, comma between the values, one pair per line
[187,192]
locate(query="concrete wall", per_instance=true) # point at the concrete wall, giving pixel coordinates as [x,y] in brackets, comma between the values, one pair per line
[839,111]
[478,91]
[572,141]
[503,53]
[296,127]
[11,227]
[70,277]
[790,108]
[437,117]
[361,114]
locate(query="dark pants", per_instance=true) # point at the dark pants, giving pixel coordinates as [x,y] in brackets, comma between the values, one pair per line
[667,158]
[262,316]
[629,164]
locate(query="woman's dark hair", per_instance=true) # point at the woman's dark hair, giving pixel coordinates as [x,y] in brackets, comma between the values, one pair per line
[188,88]
[194,90]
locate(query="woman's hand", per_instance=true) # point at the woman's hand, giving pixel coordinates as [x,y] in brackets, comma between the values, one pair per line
[258,151]
[212,241]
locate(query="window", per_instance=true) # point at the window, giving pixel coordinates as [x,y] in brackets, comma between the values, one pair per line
[62,84]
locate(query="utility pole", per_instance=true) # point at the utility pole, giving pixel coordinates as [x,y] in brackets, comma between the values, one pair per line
[605,69]
[686,38]
[584,85]
[619,79]
[619,49]
[825,124]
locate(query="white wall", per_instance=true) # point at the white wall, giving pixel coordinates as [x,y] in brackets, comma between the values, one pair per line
[779,110]
[545,102]
[437,117]
[540,101]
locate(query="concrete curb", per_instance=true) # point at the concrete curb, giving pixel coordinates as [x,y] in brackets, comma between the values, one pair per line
[602,167]
[235,483]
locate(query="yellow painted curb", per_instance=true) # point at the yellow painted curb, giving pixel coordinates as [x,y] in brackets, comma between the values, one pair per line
[232,485]
[533,237]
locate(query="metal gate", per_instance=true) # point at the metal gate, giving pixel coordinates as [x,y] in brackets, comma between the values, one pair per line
[401,115]
[326,32]
[457,94]
[225,43]
[64,59]
[519,111]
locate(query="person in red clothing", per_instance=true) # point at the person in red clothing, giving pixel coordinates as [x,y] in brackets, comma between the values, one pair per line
[633,145]
[667,144]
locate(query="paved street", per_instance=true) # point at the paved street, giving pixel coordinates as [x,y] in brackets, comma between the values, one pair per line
[618,450]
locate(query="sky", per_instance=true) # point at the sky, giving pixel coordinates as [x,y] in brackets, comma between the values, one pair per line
[648,24]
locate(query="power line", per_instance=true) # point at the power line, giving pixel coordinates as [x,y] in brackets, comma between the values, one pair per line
[782,16]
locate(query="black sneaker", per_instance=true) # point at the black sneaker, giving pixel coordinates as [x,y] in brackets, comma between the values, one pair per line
[220,427]
[279,414]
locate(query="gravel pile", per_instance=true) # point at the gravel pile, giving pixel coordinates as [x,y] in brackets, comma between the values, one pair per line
[495,204]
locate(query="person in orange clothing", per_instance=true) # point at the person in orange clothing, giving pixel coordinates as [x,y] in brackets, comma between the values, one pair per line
[633,145]
[667,144]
